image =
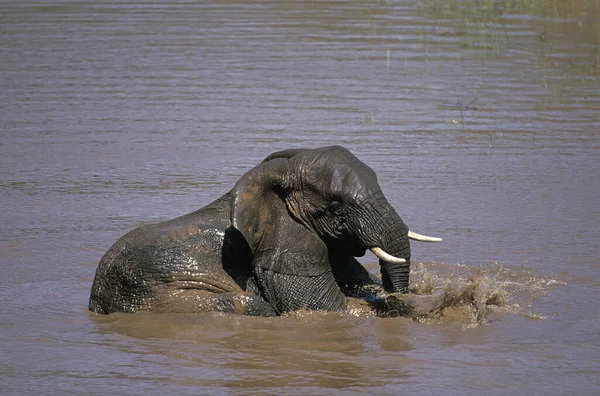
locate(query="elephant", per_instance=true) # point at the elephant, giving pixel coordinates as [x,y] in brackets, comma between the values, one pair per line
[283,239]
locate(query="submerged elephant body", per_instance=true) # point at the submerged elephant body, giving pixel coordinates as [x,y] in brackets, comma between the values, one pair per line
[283,238]
[193,263]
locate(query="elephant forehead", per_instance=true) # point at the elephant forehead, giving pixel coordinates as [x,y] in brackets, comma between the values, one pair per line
[354,181]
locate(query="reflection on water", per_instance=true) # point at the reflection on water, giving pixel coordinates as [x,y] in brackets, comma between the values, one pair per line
[480,119]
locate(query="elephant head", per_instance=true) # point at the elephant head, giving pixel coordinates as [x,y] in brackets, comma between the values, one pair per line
[302,211]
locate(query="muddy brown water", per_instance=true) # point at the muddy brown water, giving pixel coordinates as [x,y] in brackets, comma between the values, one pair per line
[482,127]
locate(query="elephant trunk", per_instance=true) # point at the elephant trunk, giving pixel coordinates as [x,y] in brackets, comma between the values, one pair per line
[395,274]
[394,256]
[388,239]
[395,277]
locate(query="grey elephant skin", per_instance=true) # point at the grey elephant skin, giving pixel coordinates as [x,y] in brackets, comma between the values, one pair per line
[284,238]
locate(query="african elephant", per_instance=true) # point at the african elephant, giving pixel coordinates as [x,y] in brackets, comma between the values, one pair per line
[284,238]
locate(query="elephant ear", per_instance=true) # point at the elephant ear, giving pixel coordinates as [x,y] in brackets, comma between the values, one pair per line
[290,263]
[258,200]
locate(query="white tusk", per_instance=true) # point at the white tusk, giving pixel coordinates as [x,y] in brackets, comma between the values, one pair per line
[381,254]
[422,238]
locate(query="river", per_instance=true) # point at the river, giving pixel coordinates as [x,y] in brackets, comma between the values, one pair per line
[480,118]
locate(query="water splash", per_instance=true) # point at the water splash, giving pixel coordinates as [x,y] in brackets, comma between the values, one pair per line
[455,293]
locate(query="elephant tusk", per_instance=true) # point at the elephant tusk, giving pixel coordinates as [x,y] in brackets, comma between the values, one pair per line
[382,255]
[422,238]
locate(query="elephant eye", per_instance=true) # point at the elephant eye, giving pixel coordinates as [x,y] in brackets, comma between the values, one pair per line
[334,207]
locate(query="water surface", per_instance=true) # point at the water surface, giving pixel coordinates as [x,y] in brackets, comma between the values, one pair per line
[481,123]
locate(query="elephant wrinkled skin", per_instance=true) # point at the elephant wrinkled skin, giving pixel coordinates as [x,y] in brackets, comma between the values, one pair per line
[284,238]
